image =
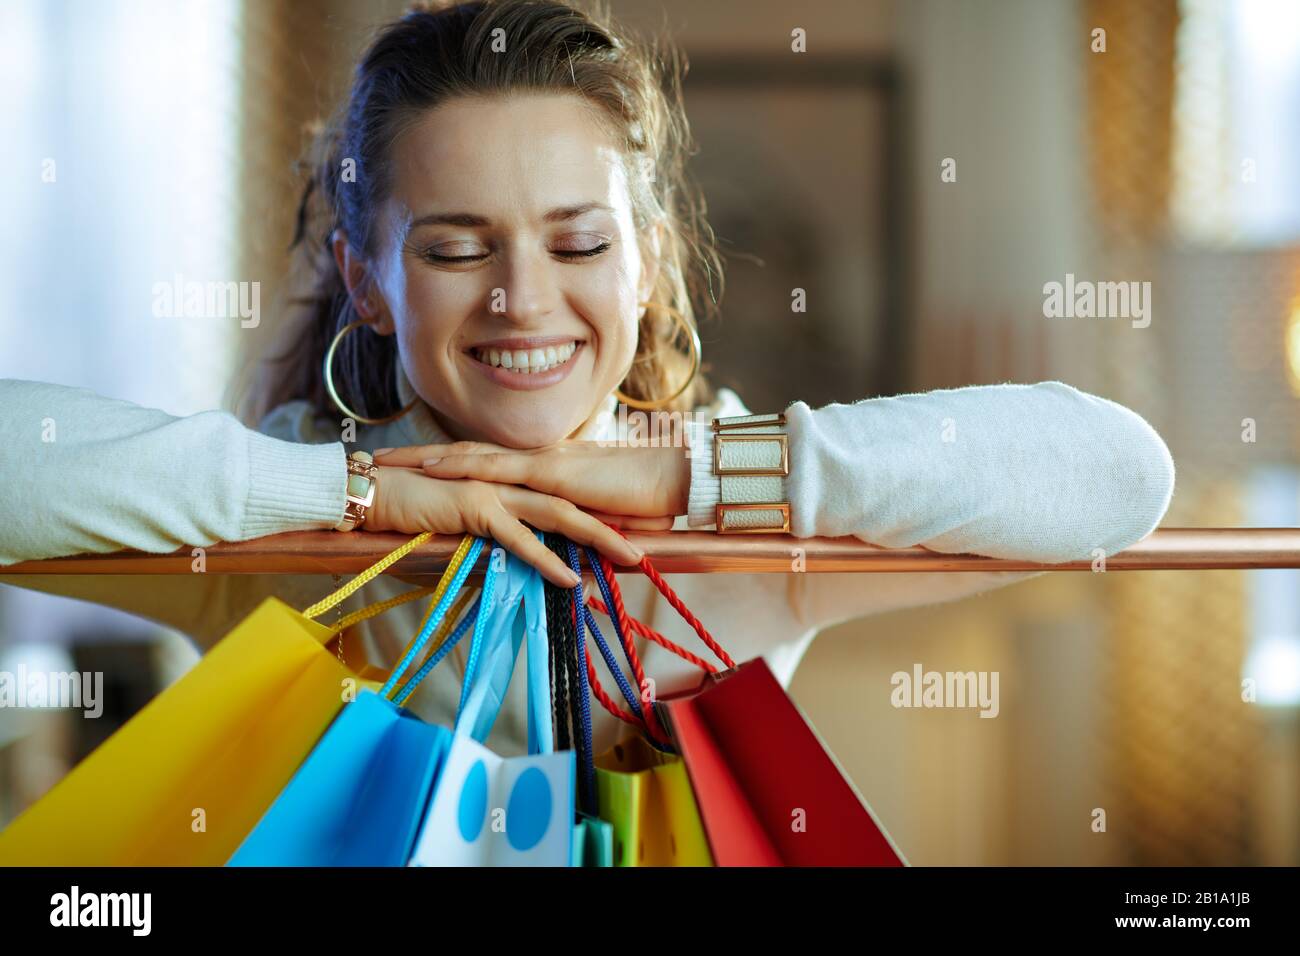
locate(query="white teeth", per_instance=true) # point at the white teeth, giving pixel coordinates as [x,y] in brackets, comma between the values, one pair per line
[528,361]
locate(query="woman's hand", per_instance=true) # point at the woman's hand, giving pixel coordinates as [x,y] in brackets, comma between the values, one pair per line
[614,480]
[411,502]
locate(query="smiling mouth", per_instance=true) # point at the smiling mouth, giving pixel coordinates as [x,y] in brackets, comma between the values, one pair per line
[527,361]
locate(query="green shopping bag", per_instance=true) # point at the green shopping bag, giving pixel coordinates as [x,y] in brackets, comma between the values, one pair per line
[646,797]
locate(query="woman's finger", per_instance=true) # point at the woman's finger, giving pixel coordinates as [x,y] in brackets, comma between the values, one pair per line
[413,456]
[556,514]
[408,457]
[511,534]
[505,468]
[634,522]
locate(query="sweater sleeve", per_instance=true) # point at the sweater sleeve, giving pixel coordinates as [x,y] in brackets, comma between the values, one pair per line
[1031,472]
[88,474]
[1039,472]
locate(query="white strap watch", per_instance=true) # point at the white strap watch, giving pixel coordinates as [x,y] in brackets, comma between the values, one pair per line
[751,457]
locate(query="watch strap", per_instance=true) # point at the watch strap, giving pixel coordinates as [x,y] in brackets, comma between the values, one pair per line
[362,479]
[751,457]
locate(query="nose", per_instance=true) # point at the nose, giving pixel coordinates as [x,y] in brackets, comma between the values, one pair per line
[529,289]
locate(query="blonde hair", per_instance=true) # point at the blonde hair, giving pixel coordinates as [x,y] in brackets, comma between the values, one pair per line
[416,62]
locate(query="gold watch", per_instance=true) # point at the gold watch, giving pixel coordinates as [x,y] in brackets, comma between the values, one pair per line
[363,478]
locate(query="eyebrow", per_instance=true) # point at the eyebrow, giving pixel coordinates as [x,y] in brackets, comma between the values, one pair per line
[469,219]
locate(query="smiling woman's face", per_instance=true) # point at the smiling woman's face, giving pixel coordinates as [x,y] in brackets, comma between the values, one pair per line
[510,269]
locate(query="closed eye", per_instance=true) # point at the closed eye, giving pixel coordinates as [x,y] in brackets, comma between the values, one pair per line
[434,257]
[583,253]
[570,254]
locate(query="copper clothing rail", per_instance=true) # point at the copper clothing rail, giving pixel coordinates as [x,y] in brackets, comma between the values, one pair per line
[328,552]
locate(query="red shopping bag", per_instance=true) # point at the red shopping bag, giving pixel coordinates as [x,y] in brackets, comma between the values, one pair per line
[768,791]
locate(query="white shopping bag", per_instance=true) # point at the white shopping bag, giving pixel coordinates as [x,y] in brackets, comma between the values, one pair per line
[489,810]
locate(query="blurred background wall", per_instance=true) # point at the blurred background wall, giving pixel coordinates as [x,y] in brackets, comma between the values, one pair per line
[922,171]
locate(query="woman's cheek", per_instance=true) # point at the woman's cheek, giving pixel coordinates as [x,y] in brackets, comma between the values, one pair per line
[615,308]
[429,323]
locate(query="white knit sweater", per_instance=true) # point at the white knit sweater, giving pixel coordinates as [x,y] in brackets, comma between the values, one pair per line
[1042,473]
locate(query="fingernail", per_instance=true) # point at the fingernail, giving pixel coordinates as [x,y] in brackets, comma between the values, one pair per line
[380,451]
[430,462]
[574,580]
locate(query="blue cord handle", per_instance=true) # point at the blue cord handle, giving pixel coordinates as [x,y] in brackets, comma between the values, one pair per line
[461,629]
[486,597]
[611,663]
[448,597]
[634,700]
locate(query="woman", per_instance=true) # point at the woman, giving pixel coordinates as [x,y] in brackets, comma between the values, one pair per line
[502,246]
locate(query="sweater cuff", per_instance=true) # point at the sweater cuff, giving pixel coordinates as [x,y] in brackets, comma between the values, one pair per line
[706,488]
[293,486]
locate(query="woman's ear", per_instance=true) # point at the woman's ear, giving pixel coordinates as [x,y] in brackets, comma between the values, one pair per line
[361,285]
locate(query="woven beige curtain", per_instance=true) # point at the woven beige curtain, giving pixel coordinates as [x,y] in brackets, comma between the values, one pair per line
[297,58]
[1180,744]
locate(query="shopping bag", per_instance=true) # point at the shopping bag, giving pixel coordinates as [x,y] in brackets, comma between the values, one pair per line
[359,797]
[186,779]
[646,797]
[593,842]
[642,791]
[767,791]
[362,793]
[489,810]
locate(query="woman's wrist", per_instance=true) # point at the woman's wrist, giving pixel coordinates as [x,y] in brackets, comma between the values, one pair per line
[677,474]
[705,488]
[739,467]
[379,517]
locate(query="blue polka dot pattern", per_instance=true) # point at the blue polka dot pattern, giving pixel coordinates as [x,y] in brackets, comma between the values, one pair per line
[529,811]
[472,811]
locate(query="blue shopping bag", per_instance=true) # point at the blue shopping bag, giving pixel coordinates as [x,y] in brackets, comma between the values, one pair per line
[489,810]
[361,795]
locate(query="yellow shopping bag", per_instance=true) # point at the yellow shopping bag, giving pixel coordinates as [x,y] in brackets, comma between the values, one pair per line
[646,796]
[188,777]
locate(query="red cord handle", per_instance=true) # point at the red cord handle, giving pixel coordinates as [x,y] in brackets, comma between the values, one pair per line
[664,588]
[650,634]
[629,626]
[651,728]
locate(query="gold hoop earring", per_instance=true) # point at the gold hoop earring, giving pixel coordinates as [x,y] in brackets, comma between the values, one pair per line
[694,339]
[333,392]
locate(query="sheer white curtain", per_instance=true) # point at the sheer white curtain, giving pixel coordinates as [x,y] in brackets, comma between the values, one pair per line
[120,131]
[1237,122]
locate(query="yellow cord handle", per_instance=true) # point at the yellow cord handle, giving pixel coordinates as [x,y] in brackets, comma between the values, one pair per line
[374,610]
[376,569]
